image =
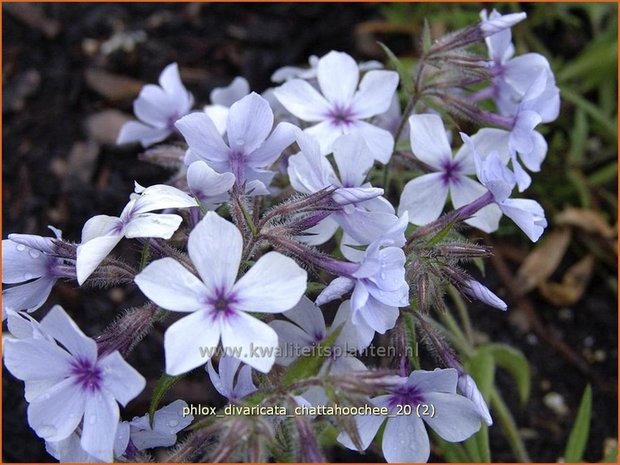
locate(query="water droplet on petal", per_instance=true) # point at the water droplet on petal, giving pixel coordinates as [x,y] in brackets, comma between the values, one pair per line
[21,247]
[28,276]
[173,423]
[46,431]
[410,429]
[34,253]
[382,274]
[46,396]
[92,419]
[240,141]
[402,442]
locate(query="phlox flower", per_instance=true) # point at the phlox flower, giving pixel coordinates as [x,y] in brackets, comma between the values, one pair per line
[364,214]
[424,197]
[217,303]
[250,146]
[101,233]
[405,438]
[307,328]
[341,107]
[291,72]
[209,187]
[138,434]
[222,99]
[527,214]
[70,383]
[378,281]
[30,262]
[157,108]
[224,381]
[131,436]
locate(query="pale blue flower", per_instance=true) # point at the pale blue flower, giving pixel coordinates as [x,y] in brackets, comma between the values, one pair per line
[249,147]
[224,380]
[73,383]
[157,108]
[218,304]
[452,416]
[342,108]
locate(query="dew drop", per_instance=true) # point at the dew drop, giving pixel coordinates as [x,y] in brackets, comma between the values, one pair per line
[382,274]
[240,141]
[34,253]
[410,429]
[20,247]
[28,276]
[46,396]
[92,419]
[173,423]
[402,442]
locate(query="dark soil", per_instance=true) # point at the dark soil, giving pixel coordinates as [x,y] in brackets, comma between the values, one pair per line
[46,106]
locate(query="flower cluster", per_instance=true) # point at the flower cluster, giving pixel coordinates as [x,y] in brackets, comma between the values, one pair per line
[279,195]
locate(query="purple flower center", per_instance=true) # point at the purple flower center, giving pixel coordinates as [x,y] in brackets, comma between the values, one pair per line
[451,172]
[341,116]
[405,395]
[222,305]
[87,375]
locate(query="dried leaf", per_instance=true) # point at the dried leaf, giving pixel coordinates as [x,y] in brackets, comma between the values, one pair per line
[588,220]
[103,127]
[542,261]
[33,16]
[112,86]
[573,284]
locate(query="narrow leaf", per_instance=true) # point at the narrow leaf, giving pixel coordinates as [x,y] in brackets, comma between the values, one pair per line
[163,385]
[513,361]
[578,437]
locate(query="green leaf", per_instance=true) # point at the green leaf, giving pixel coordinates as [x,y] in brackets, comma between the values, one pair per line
[308,366]
[578,437]
[427,41]
[452,451]
[481,367]
[395,63]
[163,385]
[513,361]
[412,340]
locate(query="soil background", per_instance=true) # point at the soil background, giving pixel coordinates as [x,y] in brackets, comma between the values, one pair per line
[60,167]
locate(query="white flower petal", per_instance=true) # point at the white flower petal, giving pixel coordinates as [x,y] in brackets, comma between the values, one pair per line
[291,340]
[134,131]
[429,141]
[302,100]
[62,328]
[437,380]
[380,142]
[527,214]
[170,81]
[28,296]
[203,138]
[405,440]
[189,342]
[218,115]
[326,134]
[320,233]
[456,417]
[120,378]
[367,426]
[21,263]
[358,336]
[153,106]
[375,93]
[309,317]
[377,315]
[160,225]
[171,286]
[353,158]
[338,76]
[424,198]
[274,284]
[100,225]
[204,182]
[269,151]
[465,190]
[215,247]
[35,359]
[334,290]
[92,253]
[250,121]
[255,342]
[226,96]
[160,197]
[101,418]
[55,414]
